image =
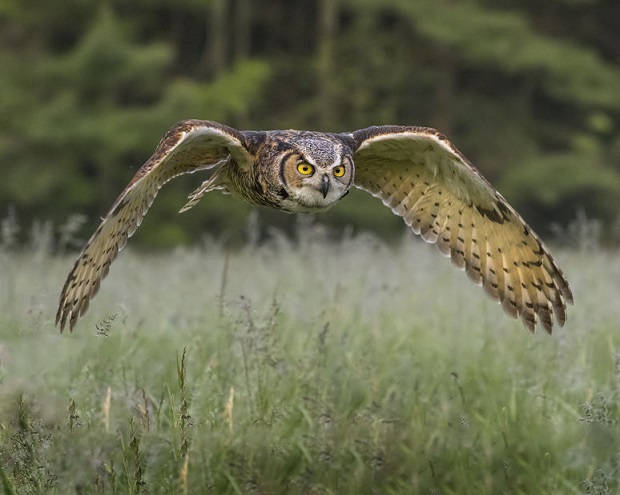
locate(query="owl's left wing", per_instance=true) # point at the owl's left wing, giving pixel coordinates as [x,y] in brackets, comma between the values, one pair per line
[189,146]
[424,179]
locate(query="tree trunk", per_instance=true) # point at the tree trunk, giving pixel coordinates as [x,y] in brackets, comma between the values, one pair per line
[242,29]
[216,39]
[328,18]
[445,91]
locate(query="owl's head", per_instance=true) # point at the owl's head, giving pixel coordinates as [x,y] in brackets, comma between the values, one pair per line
[316,171]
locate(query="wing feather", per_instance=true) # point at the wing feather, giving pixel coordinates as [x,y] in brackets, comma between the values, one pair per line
[424,179]
[189,146]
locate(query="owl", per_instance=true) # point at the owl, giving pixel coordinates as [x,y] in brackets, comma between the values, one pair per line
[415,171]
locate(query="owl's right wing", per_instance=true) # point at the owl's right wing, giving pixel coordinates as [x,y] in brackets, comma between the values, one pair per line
[189,146]
[424,179]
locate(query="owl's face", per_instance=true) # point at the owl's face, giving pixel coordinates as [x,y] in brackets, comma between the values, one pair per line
[316,172]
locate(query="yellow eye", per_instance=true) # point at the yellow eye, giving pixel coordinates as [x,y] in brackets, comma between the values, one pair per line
[305,168]
[339,171]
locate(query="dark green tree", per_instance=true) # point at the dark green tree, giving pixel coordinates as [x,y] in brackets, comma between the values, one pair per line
[79,121]
[528,91]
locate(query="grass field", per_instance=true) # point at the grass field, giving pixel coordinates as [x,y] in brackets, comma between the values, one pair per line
[314,368]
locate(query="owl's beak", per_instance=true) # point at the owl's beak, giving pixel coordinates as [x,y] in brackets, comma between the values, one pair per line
[324,186]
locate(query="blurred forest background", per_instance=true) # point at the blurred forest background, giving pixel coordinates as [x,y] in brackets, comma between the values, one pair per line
[529,91]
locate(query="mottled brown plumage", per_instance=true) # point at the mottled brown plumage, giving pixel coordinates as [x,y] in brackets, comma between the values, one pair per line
[415,171]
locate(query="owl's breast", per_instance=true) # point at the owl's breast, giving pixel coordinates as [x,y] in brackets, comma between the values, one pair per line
[290,205]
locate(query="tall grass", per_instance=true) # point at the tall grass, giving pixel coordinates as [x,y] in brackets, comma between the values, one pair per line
[308,367]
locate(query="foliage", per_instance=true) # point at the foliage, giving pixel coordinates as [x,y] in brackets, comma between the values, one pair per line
[573,185]
[318,377]
[101,103]
[519,88]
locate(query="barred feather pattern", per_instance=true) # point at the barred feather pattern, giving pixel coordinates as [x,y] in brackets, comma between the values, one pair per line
[420,175]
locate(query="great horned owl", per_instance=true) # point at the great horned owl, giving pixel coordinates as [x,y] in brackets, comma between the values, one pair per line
[415,171]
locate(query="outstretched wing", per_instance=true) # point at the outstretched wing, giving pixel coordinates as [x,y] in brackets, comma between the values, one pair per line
[188,146]
[424,179]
